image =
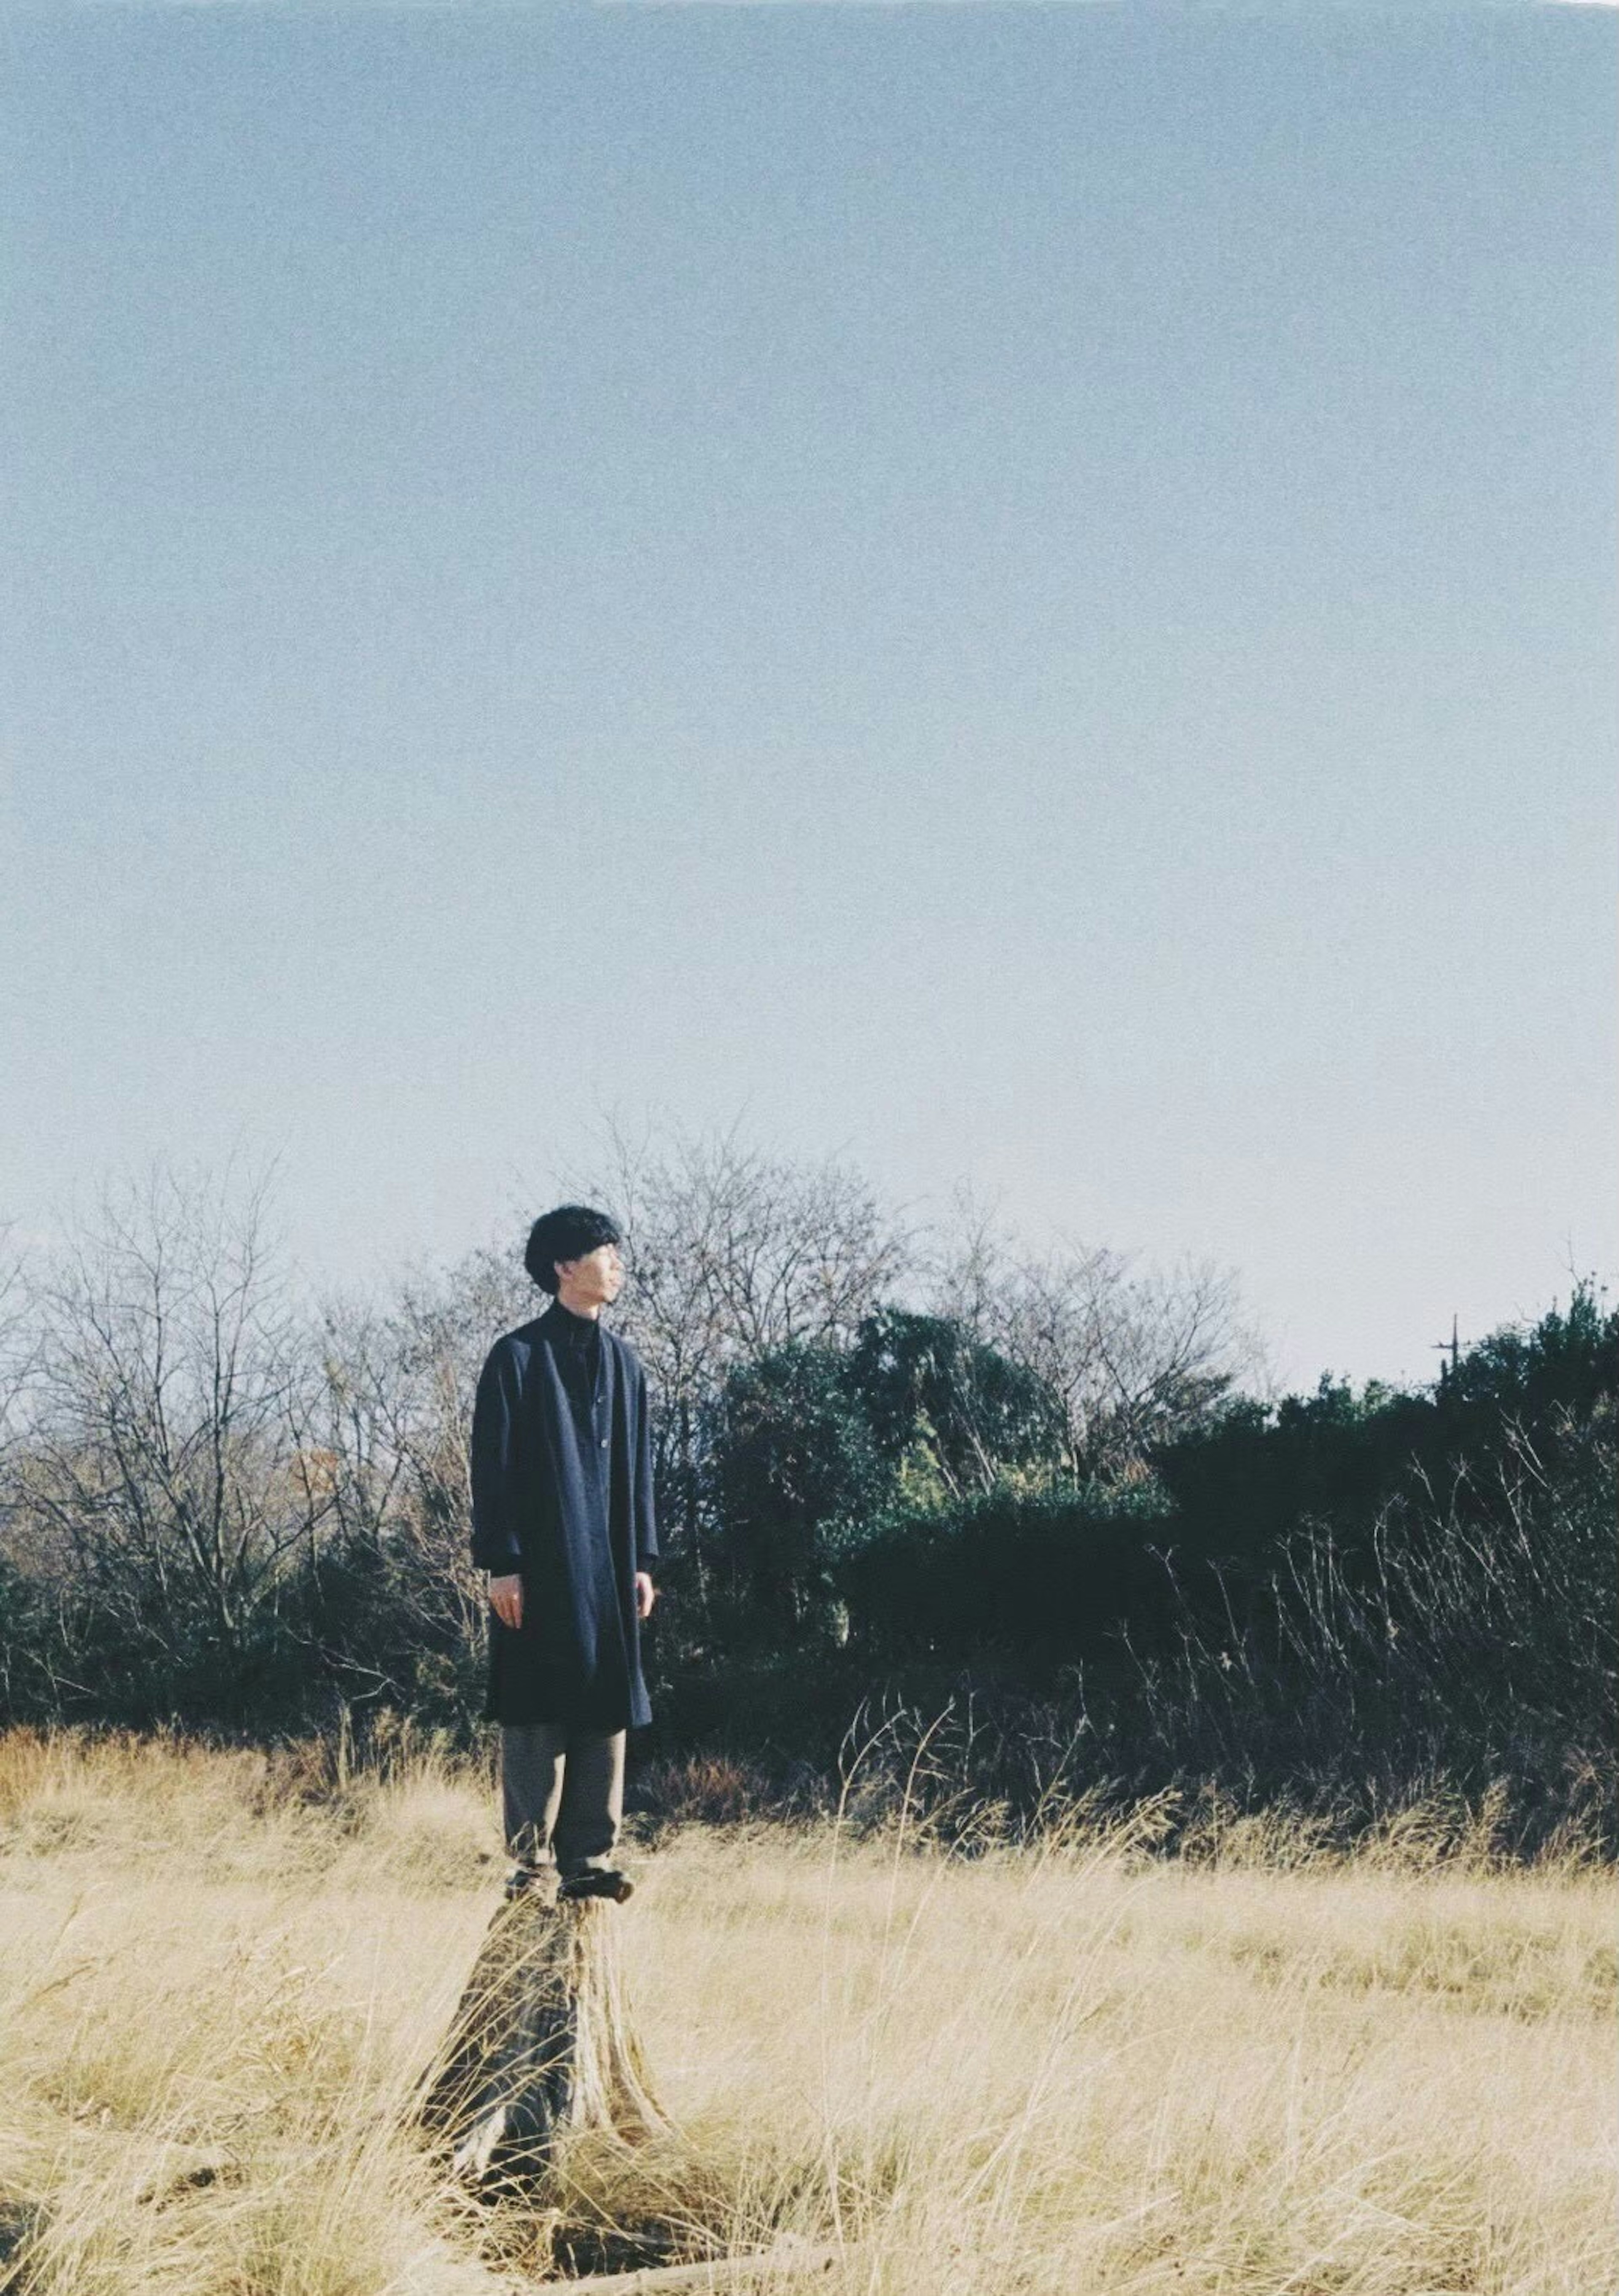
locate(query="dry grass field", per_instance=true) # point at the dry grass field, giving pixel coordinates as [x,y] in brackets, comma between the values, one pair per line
[1264,2073]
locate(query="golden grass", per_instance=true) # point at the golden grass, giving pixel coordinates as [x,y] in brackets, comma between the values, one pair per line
[1078,2070]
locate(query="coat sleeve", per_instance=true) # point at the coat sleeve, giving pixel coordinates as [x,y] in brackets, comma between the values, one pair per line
[496,1544]
[646,1525]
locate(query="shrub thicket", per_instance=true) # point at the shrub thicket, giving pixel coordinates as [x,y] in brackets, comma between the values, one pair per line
[1066,1522]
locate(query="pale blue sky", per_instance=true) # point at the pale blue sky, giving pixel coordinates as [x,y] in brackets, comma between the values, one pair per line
[1021,593]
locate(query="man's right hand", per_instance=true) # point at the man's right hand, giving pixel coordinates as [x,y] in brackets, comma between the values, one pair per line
[506,1599]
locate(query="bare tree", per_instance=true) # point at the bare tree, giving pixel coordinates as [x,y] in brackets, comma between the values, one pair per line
[1170,1347]
[158,1466]
[1133,1358]
[735,1252]
[16,1340]
[732,1253]
[396,1419]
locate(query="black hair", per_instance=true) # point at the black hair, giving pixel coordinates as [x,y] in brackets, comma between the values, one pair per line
[568,1233]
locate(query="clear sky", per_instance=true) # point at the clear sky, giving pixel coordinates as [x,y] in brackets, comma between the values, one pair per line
[1021,593]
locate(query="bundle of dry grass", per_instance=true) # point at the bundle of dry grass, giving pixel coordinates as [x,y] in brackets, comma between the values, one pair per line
[1080,2068]
[542,2046]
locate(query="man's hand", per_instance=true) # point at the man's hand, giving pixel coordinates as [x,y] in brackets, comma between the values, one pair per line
[506,1599]
[646,1594]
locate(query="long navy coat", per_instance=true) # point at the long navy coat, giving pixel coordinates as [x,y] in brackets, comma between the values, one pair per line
[562,1493]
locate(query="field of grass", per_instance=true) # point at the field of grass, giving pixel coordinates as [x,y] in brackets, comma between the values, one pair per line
[1080,2070]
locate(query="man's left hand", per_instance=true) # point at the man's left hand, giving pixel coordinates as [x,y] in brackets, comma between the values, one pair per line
[646,1594]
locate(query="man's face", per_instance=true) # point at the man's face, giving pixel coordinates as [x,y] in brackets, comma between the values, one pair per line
[595,1279]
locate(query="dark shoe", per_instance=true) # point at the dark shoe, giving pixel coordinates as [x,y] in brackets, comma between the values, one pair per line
[527,1882]
[597,1882]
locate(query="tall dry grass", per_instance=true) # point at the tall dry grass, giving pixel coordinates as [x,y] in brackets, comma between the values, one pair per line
[1269,2071]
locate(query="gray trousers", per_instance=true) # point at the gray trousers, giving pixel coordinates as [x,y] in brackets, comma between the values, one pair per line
[563,1795]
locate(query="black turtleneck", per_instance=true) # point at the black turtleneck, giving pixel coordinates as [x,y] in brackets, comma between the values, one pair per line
[583,1331]
[580,1350]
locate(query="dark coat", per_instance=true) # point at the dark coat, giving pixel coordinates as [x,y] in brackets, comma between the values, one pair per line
[562,1493]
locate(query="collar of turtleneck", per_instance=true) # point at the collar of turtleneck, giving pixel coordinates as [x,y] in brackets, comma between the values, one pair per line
[580,1328]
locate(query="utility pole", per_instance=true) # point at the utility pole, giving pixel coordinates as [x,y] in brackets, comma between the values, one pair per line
[1454,1346]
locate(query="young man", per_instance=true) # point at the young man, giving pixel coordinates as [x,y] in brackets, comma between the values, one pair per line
[562,1523]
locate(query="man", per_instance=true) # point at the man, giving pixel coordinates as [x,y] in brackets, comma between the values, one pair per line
[562,1523]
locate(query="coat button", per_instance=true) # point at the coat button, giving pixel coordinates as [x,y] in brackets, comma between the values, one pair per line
[604,1442]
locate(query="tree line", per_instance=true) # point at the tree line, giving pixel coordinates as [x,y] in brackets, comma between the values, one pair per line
[922,1467]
